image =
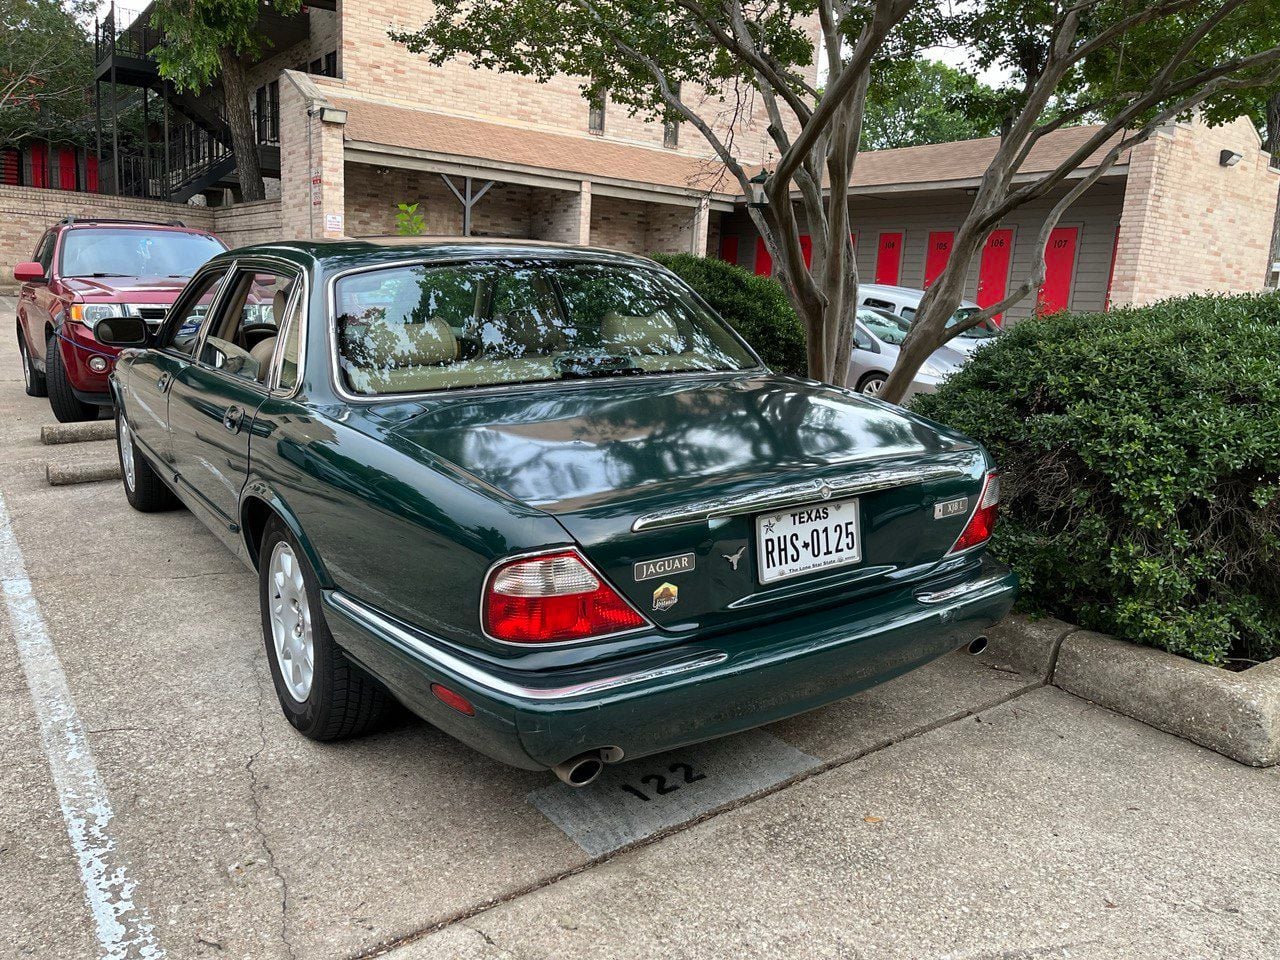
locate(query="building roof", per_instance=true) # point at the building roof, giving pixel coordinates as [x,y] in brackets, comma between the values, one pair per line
[370,121]
[507,145]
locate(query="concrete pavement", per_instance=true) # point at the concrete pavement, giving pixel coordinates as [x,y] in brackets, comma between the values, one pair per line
[893,824]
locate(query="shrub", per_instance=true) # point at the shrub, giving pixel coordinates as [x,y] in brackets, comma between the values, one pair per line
[1140,452]
[757,307]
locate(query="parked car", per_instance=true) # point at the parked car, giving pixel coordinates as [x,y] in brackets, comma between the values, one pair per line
[877,335]
[82,272]
[545,498]
[905,301]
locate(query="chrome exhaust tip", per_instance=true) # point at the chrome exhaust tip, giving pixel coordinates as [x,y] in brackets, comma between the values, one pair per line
[978,645]
[580,770]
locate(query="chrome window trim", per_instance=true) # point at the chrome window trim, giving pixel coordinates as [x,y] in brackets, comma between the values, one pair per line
[450,663]
[595,572]
[794,494]
[335,368]
[214,305]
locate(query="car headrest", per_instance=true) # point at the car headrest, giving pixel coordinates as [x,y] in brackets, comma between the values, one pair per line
[521,333]
[389,344]
[261,353]
[647,336]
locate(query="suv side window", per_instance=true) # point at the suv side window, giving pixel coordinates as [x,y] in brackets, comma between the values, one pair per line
[182,326]
[44,250]
[242,340]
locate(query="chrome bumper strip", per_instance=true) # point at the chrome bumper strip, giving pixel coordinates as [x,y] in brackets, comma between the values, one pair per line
[793,494]
[962,591]
[450,663]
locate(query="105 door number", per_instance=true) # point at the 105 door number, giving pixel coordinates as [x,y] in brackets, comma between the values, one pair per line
[660,784]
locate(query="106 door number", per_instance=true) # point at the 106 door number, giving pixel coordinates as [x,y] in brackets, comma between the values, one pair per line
[658,784]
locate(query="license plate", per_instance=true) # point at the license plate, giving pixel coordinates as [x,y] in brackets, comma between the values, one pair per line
[805,539]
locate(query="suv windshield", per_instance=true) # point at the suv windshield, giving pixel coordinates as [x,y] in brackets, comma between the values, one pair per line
[418,328]
[887,327]
[130,252]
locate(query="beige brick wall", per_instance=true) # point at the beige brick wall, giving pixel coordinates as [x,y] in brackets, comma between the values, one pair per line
[246,223]
[1191,225]
[634,226]
[373,64]
[311,164]
[561,216]
[373,192]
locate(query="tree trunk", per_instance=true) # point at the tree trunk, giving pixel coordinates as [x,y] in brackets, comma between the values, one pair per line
[235,93]
[1272,145]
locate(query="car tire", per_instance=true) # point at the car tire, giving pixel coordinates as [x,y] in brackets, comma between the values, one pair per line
[330,698]
[872,385]
[143,488]
[67,407]
[32,378]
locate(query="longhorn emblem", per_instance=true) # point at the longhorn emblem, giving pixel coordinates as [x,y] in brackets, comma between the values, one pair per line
[733,558]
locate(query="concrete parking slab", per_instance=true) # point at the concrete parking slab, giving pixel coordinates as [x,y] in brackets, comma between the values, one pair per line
[1045,827]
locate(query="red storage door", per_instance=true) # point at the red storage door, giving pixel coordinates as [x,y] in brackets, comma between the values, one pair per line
[889,258]
[729,249]
[993,269]
[1059,266]
[91,173]
[66,168]
[764,262]
[806,248]
[10,163]
[39,165]
[935,260]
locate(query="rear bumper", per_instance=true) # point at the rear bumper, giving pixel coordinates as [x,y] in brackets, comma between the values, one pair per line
[696,692]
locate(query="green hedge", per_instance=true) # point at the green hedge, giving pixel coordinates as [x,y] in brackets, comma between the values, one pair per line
[1140,452]
[757,307]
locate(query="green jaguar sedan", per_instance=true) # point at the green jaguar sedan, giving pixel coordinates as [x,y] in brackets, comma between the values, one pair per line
[545,498]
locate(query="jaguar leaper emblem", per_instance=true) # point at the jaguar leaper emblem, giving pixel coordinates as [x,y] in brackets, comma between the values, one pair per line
[665,597]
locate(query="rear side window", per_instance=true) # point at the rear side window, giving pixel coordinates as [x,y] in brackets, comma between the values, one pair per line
[133,252]
[418,328]
[882,304]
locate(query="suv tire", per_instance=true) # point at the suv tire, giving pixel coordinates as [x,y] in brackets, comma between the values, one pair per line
[67,407]
[322,693]
[143,488]
[32,378]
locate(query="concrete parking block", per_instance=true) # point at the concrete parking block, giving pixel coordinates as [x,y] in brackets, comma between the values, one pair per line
[65,474]
[1236,714]
[56,433]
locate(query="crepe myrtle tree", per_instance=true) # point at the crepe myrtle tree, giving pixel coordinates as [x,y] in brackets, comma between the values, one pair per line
[646,53]
[208,40]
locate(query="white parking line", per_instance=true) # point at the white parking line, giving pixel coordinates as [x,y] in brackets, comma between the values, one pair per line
[123,928]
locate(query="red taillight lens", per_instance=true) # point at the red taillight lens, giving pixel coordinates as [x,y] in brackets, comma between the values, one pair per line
[983,522]
[551,599]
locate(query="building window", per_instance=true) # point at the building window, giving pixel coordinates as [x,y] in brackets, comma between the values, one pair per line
[266,112]
[331,64]
[595,115]
[317,67]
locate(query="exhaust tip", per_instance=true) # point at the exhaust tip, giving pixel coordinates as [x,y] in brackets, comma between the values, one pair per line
[978,645]
[579,771]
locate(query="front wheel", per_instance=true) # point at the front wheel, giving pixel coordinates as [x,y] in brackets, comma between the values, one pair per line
[67,407]
[322,693]
[872,384]
[32,378]
[143,487]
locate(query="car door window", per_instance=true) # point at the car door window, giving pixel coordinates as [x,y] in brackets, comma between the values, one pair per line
[181,331]
[242,338]
[861,339]
[292,338]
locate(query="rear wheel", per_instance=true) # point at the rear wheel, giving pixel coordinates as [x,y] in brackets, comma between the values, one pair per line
[67,407]
[32,378]
[143,487]
[872,384]
[323,694]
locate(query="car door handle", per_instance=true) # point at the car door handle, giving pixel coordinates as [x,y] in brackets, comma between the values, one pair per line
[163,383]
[232,418]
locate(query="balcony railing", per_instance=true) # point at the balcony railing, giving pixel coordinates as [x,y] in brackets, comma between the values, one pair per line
[136,38]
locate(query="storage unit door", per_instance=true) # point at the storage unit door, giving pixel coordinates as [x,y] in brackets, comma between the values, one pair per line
[764,262]
[1059,266]
[993,271]
[889,258]
[939,252]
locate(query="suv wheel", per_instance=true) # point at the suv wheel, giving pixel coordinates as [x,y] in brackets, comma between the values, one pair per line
[32,378]
[143,488]
[323,694]
[67,407]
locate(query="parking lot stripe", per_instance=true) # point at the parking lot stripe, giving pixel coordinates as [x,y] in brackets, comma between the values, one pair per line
[123,927]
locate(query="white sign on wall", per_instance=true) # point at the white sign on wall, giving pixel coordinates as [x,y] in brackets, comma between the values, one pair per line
[333,223]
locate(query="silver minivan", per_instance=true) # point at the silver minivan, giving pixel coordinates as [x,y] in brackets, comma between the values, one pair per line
[904,301]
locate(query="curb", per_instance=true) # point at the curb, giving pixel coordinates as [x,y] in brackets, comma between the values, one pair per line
[1234,714]
[77,432]
[61,475]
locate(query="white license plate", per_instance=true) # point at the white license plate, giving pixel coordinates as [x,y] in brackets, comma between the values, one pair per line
[801,540]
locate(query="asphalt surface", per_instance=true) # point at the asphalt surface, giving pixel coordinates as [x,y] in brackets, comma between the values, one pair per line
[154,802]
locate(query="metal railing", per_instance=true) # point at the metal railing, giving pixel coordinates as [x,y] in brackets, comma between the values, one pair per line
[136,38]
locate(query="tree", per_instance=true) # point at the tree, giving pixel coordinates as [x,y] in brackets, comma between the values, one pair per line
[923,101]
[208,40]
[646,51]
[46,70]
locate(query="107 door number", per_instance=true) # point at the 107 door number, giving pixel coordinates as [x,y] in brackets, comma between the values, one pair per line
[660,784]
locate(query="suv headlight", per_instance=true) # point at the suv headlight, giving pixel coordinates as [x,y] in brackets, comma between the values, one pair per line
[91,313]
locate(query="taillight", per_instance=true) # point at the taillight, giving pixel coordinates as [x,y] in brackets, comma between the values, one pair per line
[553,598]
[982,523]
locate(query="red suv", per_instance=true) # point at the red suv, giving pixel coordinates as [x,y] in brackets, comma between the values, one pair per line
[83,271]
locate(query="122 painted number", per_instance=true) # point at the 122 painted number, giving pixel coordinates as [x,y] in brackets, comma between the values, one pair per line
[660,784]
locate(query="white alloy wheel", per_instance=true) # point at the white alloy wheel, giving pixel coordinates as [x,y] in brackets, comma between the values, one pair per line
[126,454]
[291,631]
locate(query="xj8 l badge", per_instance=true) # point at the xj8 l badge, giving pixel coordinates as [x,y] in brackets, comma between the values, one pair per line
[663,567]
[950,508]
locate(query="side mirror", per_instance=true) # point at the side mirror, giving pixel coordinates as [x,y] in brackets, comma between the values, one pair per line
[122,332]
[30,271]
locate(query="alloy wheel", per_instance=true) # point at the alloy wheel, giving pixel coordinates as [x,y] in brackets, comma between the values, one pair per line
[126,454]
[291,630]
[873,386]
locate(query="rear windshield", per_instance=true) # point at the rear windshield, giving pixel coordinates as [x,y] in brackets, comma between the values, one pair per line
[416,328]
[983,331]
[130,252]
